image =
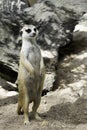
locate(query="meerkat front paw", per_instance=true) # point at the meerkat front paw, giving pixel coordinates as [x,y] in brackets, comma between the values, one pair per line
[32,72]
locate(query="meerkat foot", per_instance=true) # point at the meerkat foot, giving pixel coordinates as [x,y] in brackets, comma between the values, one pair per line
[26,122]
[37,117]
[20,111]
[26,118]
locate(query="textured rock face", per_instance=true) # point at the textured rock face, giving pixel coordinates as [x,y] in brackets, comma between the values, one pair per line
[32,2]
[13,5]
[9,31]
[55,26]
[77,5]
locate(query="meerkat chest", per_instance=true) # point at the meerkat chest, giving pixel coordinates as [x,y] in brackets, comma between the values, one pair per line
[34,56]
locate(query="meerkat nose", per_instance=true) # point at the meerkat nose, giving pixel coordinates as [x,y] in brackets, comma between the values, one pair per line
[34,34]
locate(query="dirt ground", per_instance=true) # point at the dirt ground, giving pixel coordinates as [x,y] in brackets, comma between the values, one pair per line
[63,109]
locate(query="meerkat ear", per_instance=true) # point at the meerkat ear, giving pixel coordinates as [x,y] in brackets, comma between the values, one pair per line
[22,30]
[21,27]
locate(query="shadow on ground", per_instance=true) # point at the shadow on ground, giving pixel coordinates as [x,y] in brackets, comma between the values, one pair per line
[8,101]
[68,113]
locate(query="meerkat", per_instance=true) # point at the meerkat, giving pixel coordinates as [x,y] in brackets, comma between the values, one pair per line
[31,73]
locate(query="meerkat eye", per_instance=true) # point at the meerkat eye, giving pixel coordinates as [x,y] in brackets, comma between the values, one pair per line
[35,29]
[28,30]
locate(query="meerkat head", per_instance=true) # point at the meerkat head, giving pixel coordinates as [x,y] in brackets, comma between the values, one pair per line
[29,32]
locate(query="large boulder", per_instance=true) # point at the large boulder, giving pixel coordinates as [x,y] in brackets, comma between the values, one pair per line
[55,25]
[32,2]
[77,5]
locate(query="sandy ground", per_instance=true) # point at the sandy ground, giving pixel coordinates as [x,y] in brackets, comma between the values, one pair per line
[63,109]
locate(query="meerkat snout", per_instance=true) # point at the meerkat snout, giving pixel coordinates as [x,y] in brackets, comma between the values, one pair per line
[29,31]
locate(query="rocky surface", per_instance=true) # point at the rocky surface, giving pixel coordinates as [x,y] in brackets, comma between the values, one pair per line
[63,109]
[32,2]
[66,107]
[55,30]
[77,5]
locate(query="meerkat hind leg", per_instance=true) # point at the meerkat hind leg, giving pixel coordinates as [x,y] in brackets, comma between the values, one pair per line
[36,104]
[20,105]
[25,108]
[38,99]
[23,103]
[20,109]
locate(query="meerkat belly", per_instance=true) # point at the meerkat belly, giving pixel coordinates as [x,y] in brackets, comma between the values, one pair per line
[31,83]
[34,57]
[25,78]
[32,88]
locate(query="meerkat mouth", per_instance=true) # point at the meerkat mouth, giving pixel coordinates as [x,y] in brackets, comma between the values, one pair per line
[33,35]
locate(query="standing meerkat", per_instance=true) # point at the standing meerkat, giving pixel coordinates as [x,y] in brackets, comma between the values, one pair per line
[31,73]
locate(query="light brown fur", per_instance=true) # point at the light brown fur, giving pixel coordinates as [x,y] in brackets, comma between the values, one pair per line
[31,75]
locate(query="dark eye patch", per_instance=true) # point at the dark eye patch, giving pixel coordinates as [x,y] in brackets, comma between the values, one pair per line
[35,29]
[28,30]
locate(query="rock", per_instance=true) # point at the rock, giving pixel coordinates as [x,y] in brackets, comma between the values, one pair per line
[82,25]
[55,25]
[32,2]
[77,5]
[13,5]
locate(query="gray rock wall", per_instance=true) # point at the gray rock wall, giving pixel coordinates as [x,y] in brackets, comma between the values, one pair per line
[77,5]
[55,26]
